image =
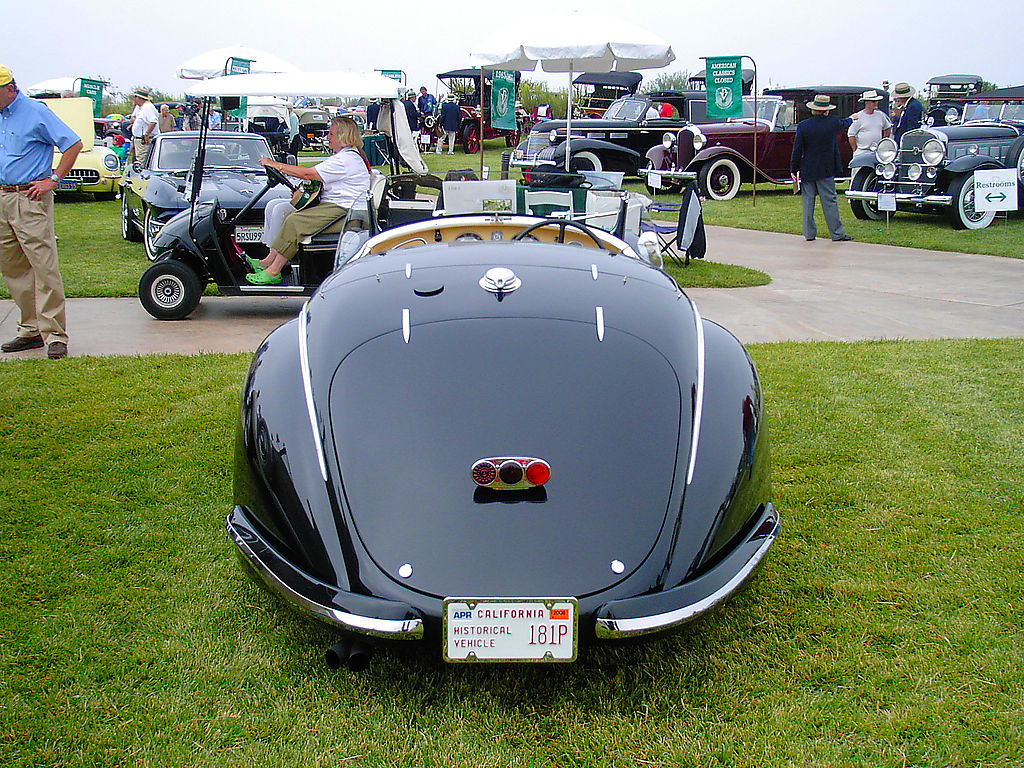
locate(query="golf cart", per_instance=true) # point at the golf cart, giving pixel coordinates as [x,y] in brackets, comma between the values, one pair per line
[197,247]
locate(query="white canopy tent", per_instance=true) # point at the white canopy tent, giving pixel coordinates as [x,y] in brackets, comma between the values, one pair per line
[59,85]
[326,85]
[213,63]
[575,42]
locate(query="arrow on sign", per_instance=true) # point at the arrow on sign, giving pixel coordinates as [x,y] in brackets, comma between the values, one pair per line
[999,197]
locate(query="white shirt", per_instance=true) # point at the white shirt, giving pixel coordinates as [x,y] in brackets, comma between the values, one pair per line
[142,116]
[346,178]
[869,128]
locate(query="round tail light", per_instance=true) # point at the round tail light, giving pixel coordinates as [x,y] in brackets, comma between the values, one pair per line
[538,472]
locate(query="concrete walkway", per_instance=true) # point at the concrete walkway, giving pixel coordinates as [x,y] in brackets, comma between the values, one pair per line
[819,291]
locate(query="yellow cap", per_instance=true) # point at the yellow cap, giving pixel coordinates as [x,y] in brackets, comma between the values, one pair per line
[6,78]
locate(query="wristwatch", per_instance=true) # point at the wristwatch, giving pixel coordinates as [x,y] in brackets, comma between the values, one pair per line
[55,178]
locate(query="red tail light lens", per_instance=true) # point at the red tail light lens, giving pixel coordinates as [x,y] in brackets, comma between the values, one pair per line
[538,472]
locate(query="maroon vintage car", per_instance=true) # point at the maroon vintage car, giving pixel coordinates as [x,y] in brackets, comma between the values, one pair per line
[721,155]
[465,84]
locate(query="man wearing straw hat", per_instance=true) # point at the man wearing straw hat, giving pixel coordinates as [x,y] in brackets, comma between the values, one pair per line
[145,124]
[870,125]
[910,110]
[816,163]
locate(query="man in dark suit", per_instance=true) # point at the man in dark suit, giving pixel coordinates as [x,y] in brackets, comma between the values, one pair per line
[816,163]
[908,114]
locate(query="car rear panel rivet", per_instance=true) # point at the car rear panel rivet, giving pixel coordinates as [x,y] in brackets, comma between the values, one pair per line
[618,566]
[405,571]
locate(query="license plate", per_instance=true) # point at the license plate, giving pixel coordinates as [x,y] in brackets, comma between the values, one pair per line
[249,234]
[492,629]
[68,185]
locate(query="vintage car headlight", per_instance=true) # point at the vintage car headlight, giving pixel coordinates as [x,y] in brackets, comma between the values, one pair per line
[887,151]
[933,152]
[667,140]
[888,171]
[914,172]
[699,140]
[110,162]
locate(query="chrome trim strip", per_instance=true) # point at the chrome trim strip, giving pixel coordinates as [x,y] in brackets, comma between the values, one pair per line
[901,197]
[406,330]
[687,175]
[593,270]
[271,288]
[599,312]
[607,628]
[307,387]
[400,629]
[698,406]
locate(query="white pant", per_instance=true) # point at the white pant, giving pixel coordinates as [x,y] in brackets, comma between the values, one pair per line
[450,135]
[273,215]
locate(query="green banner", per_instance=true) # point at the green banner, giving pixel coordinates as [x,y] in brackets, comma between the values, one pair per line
[238,67]
[725,87]
[92,89]
[503,100]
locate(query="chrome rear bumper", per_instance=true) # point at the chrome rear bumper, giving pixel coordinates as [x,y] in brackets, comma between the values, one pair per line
[670,609]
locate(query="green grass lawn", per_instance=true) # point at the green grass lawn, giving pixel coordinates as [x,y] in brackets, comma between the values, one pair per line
[885,630]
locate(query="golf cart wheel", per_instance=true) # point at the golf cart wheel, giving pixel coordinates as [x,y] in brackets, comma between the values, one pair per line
[128,230]
[470,139]
[962,214]
[169,290]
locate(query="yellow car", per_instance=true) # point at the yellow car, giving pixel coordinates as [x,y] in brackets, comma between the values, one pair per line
[97,169]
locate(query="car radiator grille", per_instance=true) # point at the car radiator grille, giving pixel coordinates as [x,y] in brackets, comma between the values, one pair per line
[84,175]
[536,142]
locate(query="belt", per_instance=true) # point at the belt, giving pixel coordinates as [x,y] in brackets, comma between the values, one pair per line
[15,187]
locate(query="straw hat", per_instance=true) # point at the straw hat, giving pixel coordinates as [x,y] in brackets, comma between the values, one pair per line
[142,93]
[870,96]
[903,90]
[6,78]
[821,103]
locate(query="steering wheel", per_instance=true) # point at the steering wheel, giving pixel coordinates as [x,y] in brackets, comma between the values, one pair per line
[562,225]
[276,177]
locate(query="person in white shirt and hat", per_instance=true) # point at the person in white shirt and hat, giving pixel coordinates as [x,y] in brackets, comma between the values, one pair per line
[870,125]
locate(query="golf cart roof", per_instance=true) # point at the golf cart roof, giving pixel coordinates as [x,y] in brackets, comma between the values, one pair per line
[629,80]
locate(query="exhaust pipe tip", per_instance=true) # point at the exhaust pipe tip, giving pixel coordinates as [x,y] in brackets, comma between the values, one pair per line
[337,655]
[359,656]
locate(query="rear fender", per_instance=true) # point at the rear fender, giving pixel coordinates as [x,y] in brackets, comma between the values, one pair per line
[731,466]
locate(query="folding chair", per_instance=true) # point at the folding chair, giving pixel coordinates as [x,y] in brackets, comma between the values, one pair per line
[665,232]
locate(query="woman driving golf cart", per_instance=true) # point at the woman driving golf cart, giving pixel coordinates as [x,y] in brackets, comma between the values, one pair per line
[345,176]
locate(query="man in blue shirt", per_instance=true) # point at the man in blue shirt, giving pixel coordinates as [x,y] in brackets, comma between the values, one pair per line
[29,131]
[816,163]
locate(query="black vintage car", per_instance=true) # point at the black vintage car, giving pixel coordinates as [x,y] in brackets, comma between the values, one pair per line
[618,140]
[946,96]
[152,194]
[498,437]
[933,169]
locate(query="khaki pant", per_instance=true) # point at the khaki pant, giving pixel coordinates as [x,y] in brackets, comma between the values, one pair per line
[28,260]
[298,225]
[141,149]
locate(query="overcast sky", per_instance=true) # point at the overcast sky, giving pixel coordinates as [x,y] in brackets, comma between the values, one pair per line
[802,42]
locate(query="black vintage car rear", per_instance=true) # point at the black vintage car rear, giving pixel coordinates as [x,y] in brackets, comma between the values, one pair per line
[361,421]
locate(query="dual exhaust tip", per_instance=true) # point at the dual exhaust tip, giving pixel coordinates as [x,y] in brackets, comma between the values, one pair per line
[354,654]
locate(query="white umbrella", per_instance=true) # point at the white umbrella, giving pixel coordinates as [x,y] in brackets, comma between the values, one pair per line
[578,42]
[213,63]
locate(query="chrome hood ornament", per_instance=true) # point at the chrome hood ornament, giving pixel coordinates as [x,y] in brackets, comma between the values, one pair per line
[500,281]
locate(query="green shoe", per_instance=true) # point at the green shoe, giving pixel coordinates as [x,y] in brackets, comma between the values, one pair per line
[261,277]
[254,263]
